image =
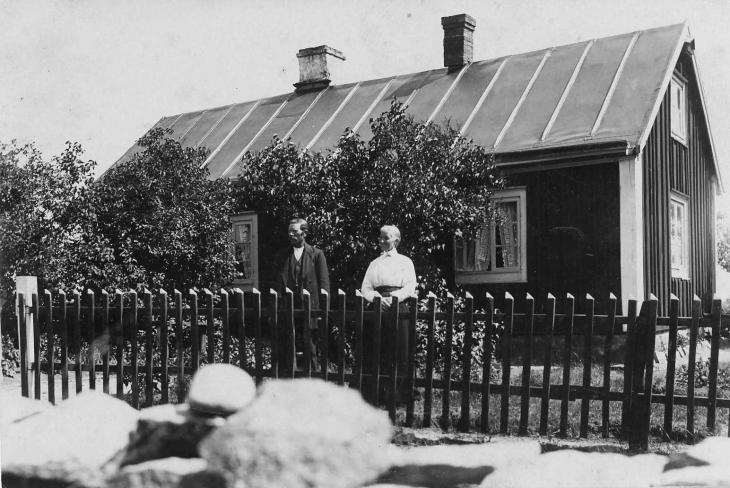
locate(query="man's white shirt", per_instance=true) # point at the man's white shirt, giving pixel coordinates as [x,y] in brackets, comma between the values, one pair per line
[390,269]
[298,251]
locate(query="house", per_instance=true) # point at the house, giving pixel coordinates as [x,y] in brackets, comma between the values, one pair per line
[611,169]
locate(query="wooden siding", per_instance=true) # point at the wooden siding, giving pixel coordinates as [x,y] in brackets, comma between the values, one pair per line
[572,236]
[669,165]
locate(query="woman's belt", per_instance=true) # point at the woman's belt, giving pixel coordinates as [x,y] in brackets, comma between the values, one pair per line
[385,291]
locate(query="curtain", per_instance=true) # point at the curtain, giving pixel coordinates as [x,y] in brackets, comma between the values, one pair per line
[506,235]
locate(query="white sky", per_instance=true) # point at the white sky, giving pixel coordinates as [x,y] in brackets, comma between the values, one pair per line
[102,73]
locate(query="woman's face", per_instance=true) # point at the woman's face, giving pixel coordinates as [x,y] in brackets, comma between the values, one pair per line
[387,241]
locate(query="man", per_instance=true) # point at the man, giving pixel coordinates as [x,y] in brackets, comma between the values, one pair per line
[391,275]
[301,267]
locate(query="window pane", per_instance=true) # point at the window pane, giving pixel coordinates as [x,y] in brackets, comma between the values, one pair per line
[506,234]
[242,250]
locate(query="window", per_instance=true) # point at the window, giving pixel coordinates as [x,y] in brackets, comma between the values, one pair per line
[245,249]
[498,253]
[679,110]
[679,241]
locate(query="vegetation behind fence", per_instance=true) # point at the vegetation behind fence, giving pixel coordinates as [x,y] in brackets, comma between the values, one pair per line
[456,353]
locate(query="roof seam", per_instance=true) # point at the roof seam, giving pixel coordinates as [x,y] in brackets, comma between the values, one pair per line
[332,117]
[614,82]
[250,143]
[230,134]
[483,97]
[192,125]
[372,106]
[214,126]
[305,113]
[566,91]
[448,93]
[523,97]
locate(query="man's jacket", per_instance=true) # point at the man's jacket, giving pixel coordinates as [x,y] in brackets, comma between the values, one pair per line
[314,277]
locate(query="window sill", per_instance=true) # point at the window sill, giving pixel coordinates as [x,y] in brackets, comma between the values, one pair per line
[476,278]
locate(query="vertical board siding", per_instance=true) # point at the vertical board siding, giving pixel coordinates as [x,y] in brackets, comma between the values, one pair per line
[670,165]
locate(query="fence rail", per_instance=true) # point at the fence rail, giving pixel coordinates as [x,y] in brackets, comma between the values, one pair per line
[152,341]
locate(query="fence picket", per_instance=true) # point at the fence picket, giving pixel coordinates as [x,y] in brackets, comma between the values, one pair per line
[276,334]
[324,331]
[180,380]
[547,361]
[359,339]
[306,333]
[411,380]
[715,325]
[36,346]
[194,330]
[134,339]
[23,343]
[587,365]
[289,334]
[225,317]
[394,340]
[608,346]
[466,363]
[375,351]
[241,327]
[569,317]
[691,364]
[77,340]
[629,358]
[108,343]
[210,325]
[119,336]
[258,352]
[509,306]
[164,347]
[445,421]
[649,372]
[342,307]
[430,355]
[91,324]
[487,351]
[51,344]
[149,391]
[671,364]
[527,364]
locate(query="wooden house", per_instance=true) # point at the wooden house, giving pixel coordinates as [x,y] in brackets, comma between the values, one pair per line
[605,143]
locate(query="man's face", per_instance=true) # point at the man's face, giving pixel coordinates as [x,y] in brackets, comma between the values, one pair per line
[296,235]
[387,241]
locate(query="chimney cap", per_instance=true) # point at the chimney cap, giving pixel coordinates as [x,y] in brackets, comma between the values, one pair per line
[323,49]
[459,20]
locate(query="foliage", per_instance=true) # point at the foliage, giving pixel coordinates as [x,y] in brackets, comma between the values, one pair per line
[723,241]
[423,178]
[11,357]
[158,219]
[42,204]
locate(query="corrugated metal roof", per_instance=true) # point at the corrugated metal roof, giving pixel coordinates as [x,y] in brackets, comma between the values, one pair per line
[601,90]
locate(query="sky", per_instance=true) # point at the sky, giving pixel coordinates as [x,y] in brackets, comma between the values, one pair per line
[102,73]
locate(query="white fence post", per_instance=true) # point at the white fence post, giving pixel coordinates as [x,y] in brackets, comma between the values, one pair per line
[28,286]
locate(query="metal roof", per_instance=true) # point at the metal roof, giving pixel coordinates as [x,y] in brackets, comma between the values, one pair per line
[590,92]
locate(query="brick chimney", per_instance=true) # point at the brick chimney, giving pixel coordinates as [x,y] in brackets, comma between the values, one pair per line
[314,73]
[458,40]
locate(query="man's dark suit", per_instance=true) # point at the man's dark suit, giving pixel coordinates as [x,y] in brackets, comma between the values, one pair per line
[314,277]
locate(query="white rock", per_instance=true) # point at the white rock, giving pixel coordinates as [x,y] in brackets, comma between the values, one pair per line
[14,408]
[570,468]
[220,389]
[301,433]
[75,441]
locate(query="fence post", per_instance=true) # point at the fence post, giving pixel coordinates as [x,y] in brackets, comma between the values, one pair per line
[487,351]
[643,375]
[276,335]
[714,356]
[509,310]
[565,400]
[587,365]
[27,286]
[466,364]
[671,364]
[526,364]
[547,361]
[607,364]
[629,360]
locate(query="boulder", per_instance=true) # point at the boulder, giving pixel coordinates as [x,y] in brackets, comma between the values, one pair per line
[301,433]
[166,431]
[465,465]
[172,472]
[220,389]
[14,408]
[80,440]
[569,468]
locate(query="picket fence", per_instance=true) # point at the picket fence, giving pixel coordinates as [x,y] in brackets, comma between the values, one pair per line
[234,319]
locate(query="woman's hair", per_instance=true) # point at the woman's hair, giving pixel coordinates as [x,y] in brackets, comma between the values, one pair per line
[391,230]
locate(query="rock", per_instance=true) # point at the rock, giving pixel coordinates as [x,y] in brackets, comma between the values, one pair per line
[301,433]
[466,465]
[220,389]
[704,464]
[172,472]
[568,468]
[79,440]
[14,408]
[166,431]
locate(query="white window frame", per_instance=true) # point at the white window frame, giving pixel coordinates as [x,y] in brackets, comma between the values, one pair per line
[678,109]
[247,218]
[678,200]
[517,274]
